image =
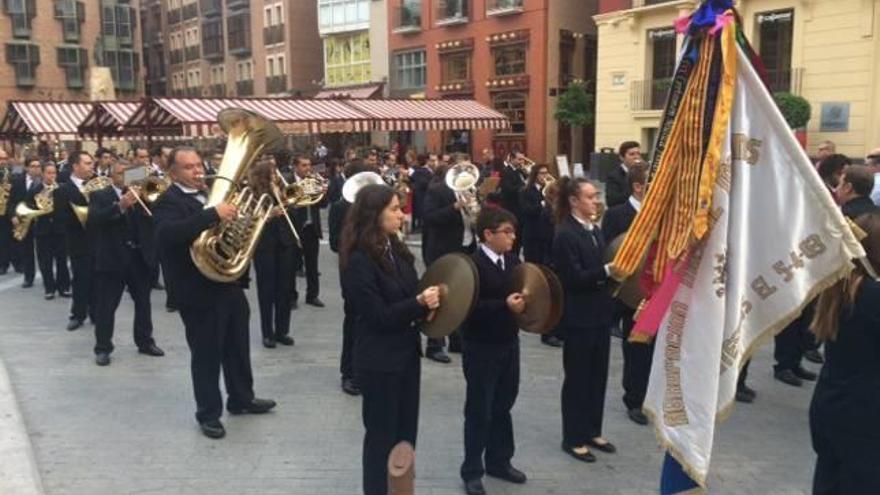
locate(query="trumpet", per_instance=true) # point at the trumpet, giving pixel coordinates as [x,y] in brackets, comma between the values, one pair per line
[45,204]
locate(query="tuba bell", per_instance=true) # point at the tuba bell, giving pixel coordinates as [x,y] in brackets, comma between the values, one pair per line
[358,181]
[45,205]
[223,252]
[462,178]
[96,184]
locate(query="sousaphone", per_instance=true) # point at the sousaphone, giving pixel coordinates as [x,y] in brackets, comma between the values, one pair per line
[456,276]
[542,292]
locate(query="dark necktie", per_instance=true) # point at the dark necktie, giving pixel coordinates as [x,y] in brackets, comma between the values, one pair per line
[500,264]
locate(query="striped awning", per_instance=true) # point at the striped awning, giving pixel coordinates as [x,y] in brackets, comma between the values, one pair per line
[108,117]
[197,117]
[429,115]
[359,92]
[56,119]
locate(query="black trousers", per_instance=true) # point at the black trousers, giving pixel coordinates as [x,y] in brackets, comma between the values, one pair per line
[27,261]
[846,460]
[788,349]
[492,375]
[5,242]
[585,362]
[309,254]
[743,375]
[218,339]
[275,280]
[52,259]
[390,411]
[110,285]
[637,360]
[83,290]
[346,359]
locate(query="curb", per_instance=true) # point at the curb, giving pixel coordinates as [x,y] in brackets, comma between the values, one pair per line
[18,471]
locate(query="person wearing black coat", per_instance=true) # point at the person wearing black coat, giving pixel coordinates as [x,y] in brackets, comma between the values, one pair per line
[490,356]
[121,262]
[215,314]
[537,225]
[307,221]
[854,192]
[24,187]
[69,193]
[513,180]
[49,232]
[379,276]
[617,189]
[578,250]
[419,181]
[846,401]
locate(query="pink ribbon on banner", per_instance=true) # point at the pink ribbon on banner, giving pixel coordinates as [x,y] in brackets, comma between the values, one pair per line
[722,21]
[651,315]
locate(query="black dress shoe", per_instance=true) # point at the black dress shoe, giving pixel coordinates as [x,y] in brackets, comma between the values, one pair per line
[64,293]
[27,285]
[804,374]
[551,340]
[213,429]
[745,390]
[269,343]
[73,324]
[102,359]
[588,457]
[151,350]
[509,473]
[788,377]
[256,406]
[744,397]
[474,487]
[438,356]
[814,356]
[285,340]
[350,386]
[315,302]
[606,447]
[49,297]
[637,416]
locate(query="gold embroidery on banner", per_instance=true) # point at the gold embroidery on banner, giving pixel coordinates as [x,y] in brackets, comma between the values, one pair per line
[746,149]
[720,278]
[724,174]
[674,412]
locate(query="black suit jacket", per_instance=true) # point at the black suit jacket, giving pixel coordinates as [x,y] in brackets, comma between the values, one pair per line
[512,182]
[617,189]
[64,170]
[276,231]
[419,182]
[537,226]
[491,322]
[118,236]
[385,304]
[48,224]
[77,235]
[17,193]
[334,189]
[617,220]
[444,226]
[179,221]
[858,207]
[578,260]
[335,222]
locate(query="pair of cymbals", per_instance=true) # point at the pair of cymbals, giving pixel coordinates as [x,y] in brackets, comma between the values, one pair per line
[543,295]
[456,276]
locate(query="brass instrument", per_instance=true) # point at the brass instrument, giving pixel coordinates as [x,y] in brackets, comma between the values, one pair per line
[358,181]
[548,186]
[307,192]
[95,184]
[151,187]
[462,178]
[223,252]
[5,190]
[527,166]
[26,215]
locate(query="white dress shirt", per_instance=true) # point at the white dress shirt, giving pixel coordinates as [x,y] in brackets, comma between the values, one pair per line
[199,195]
[493,255]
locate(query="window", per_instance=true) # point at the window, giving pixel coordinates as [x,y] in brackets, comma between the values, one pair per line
[212,37]
[775,31]
[456,67]
[108,20]
[410,70]
[71,14]
[124,22]
[239,32]
[24,58]
[662,46]
[21,12]
[123,66]
[218,74]
[338,13]
[510,60]
[244,71]
[566,61]
[74,61]
[347,59]
[513,106]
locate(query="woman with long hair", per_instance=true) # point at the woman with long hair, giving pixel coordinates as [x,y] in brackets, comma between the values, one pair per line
[846,401]
[379,276]
[273,263]
[578,249]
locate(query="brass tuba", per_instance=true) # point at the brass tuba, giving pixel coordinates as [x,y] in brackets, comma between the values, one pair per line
[26,215]
[462,178]
[96,184]
[358,181]
[223,252]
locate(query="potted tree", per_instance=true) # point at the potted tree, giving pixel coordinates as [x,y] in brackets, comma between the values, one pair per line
[796,111]
[574,107]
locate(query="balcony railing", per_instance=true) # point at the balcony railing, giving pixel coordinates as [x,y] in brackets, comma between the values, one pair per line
[175,57]
[173,16]
[504,7]
[193,53]
[649,94]
[244,88]
[237,4]
[211,8]
[785,80]
[190,11]
[196,91]
[217,90]
[212,48]
[451,12]
[276,84]
[273,34]
[408,17]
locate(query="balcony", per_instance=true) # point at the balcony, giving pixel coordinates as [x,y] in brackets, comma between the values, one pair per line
[457,88]
[237,4]
[649,94]
[785,80]
[212,48]
[217,90]
[190,11]
[504,7]
[175,57]
[173,17]
[193,53]
[211,8]
[196,91]
[276,84]
[408,18]
[244,88]
[452,12]
[273,34]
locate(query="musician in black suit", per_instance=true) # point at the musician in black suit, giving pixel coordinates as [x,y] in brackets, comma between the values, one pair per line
[637,356]
[490,356]
[122,261]
[513,180]
[82,166]
[6,215]
[49,232]
[537,225]
[336,179]
[379,277]
[273,264]
[854,191]
[24,187]
[578,250]
[419,181]
[617,189]
[447,230]
[308,223]
[215,314]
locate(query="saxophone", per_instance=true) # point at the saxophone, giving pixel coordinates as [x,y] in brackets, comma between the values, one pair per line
[5,189]
[26,215]
[223,252]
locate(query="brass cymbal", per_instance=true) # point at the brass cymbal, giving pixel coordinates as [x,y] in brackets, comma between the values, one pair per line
[456,275]
[629,292]
[542,292]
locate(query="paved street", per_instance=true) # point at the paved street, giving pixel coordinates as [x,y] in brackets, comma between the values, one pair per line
[129,428]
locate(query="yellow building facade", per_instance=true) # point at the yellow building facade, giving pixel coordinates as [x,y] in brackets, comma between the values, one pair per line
[827,51]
